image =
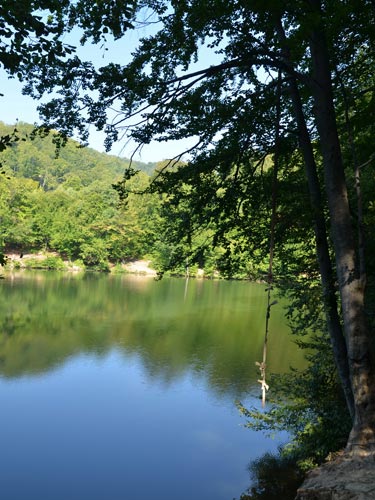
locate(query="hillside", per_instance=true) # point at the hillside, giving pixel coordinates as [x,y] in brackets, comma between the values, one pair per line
[68,205]
[36,159]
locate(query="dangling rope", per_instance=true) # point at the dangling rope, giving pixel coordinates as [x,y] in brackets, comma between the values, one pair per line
[262,365]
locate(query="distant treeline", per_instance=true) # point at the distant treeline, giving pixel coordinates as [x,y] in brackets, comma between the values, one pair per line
[68,205]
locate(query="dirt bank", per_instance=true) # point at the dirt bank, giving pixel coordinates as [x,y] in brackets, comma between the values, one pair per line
[341,479]
[20,260]
[140,267]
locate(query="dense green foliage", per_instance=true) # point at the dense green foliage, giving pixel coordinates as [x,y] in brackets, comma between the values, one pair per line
[67,204]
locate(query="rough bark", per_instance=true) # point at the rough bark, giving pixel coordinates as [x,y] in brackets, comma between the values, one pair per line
[362,437]
[357,177]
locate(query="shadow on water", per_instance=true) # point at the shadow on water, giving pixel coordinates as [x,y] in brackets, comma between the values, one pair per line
[274,477]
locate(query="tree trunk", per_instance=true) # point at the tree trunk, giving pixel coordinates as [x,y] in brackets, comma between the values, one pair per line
[362,437]
[325,266]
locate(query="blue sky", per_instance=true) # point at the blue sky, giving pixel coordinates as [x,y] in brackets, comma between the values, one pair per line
[15,106]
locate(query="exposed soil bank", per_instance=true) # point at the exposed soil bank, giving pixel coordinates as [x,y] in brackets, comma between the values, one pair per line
[342,479]
[21,260]
[140,267]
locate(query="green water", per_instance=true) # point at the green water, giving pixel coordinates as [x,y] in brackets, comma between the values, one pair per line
[116,387]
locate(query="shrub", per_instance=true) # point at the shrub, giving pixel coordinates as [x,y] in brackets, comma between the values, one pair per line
[50,262]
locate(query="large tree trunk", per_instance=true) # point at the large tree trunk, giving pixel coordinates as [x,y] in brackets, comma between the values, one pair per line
[325,265]
[362,437]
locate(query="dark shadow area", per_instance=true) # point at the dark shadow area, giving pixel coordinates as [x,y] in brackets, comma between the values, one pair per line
[274,477]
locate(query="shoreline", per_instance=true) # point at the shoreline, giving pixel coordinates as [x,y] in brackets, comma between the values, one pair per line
[53,261]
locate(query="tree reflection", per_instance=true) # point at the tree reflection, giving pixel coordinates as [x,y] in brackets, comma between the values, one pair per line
[212,329]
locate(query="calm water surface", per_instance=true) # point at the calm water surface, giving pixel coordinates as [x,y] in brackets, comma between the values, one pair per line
[123,388]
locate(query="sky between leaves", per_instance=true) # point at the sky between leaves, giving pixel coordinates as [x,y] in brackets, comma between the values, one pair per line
[15,106]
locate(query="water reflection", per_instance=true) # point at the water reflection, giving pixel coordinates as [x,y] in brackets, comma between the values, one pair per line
[212,328]
[116,387]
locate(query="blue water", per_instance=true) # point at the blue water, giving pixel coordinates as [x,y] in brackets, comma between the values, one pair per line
[112,423]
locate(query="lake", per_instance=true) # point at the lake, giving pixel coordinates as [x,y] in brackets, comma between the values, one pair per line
[122,387]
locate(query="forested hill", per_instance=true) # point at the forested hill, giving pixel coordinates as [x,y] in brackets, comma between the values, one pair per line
[35,159]
[68,205]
